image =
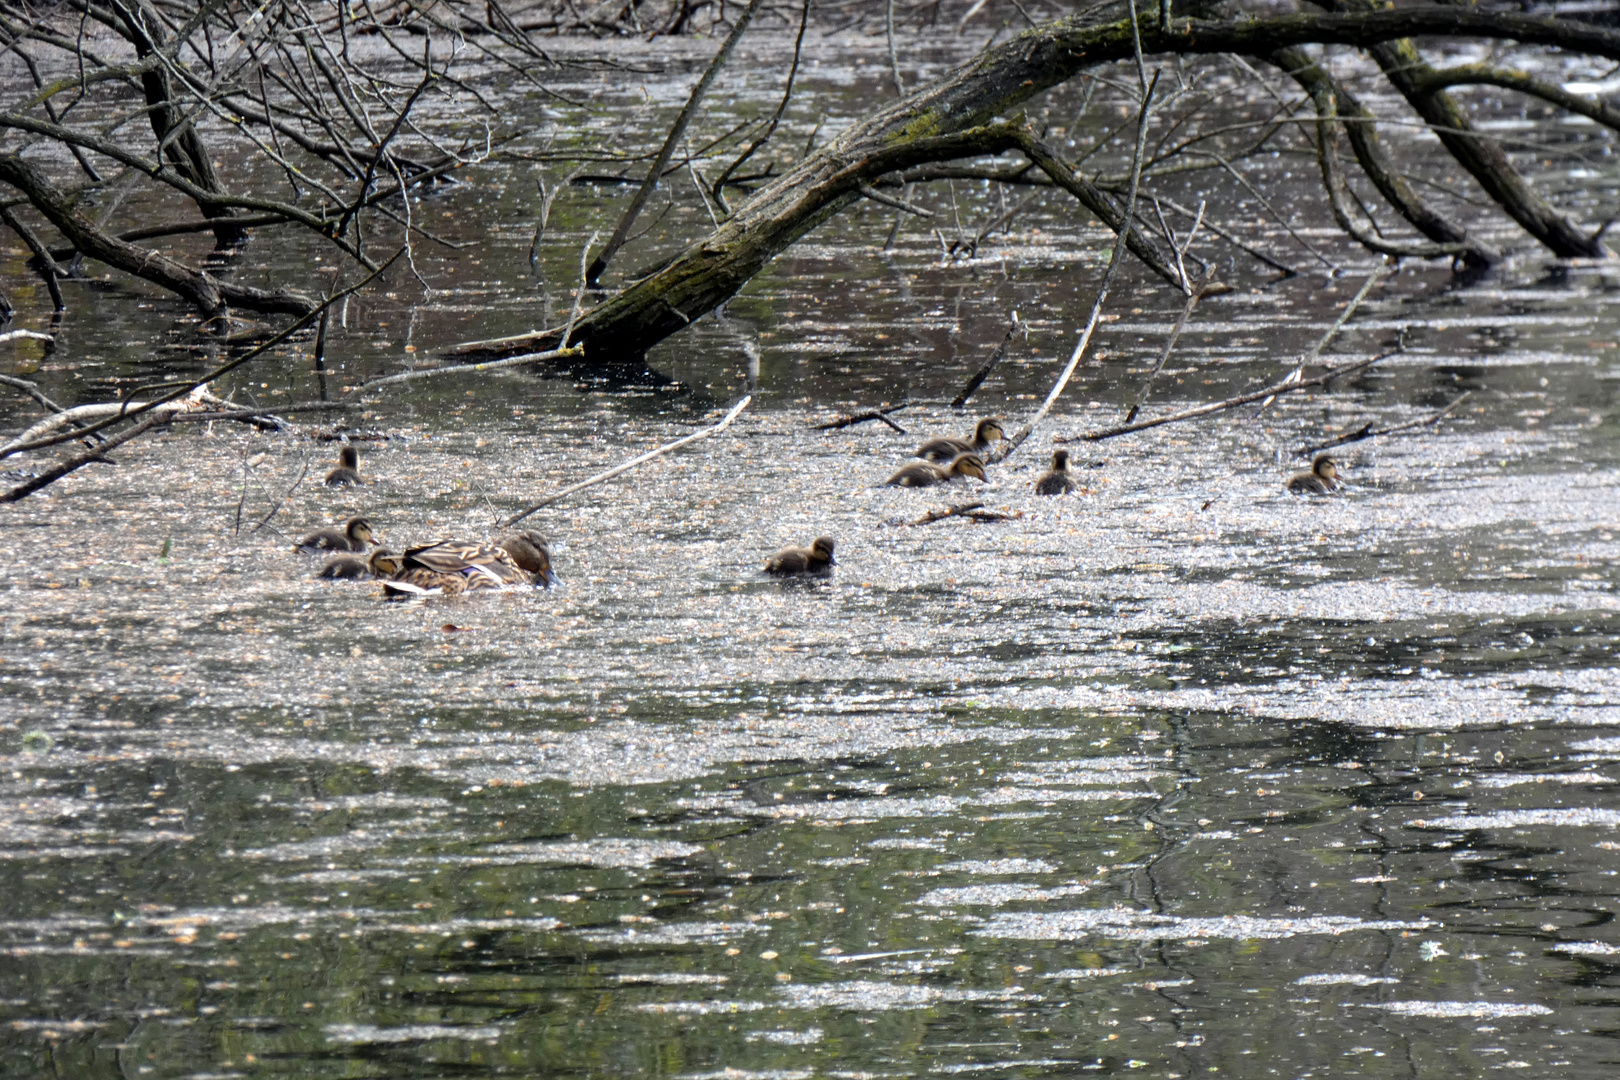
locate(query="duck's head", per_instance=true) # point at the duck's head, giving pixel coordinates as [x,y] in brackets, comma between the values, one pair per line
[969,465]
[349,458]
[385,563]
[359,530]
[532,554]
[989,430]
[823,548]
[1060,461]
[1324,467]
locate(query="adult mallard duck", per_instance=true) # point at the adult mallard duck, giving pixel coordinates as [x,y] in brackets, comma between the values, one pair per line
[348,470]
[381,564]
[927,474]
[532,554]
[813,561]
[1323,478]
[946,450]
[1057,481]
[356,535]
[450,567]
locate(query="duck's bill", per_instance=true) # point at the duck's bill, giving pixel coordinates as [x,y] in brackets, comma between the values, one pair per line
[548,578]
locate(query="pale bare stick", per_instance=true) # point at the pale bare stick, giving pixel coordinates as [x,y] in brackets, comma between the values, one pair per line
[983,373]
[1286,386]
[627,466]
[56,473]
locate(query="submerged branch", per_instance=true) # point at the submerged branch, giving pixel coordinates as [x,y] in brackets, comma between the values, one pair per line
[1367,431]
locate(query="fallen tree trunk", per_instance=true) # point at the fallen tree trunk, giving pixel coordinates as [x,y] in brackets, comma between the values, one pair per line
[956,118]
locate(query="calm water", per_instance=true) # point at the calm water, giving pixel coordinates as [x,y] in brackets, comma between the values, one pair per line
[1177,776]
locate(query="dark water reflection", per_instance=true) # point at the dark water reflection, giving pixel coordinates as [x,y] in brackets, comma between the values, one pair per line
[1179,776]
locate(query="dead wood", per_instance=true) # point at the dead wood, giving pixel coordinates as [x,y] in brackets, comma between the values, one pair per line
[1287,386]
[983,373]
[851,419]
[1367,431]
[971,511]
[50,476]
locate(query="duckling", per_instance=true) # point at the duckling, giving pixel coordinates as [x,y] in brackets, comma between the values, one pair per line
[348,470]
[1323,478]
[532,554]
[1058,481]
[382,564]
[814,561]
[927,474]
[451,567]
[356,535]
[945,450]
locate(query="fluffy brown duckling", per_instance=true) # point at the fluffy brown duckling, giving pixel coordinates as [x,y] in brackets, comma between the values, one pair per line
[532,554]
[356,535]
[1323,478]
[381,564]
[1057,481]
[451,567]
[348,470]
[947,450]
[814,561]
[927,474]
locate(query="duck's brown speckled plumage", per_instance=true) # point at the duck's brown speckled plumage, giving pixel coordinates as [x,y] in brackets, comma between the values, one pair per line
[1057,481]
[813,561]
[356,535]
[347,471]
[451,567]
[947,450]
[927,474]
[1322,479]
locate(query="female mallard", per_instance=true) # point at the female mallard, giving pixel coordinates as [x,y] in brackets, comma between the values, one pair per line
[450,567]
[946,450]
[1058,481]
[1323,478]
[382,564]
[356,535]
[532,554]
[927,474]
[815,560]
[348,470]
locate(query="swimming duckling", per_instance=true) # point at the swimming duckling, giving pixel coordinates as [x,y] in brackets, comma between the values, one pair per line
[532,554]
[452,567]
[382,564]
[1058,481]
[348,470]
[356,535]
[945,450]
[1323,478]
[927,474]
[815,560]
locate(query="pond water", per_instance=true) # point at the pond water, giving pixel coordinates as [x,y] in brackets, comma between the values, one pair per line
[1175,776]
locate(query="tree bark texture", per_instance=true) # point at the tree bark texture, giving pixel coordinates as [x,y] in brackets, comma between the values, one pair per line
[956,117]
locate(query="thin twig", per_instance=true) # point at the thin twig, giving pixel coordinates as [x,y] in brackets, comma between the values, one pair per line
[1120,241]
[282,501]
[983,373]
[1333,331]
[622,230]
[632,463]
[1286,386]
[1367,431]
[860,418]
[1175,332]
[31,390]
